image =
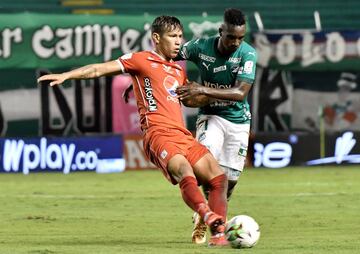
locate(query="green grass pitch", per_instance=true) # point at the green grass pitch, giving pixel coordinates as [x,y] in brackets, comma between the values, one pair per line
[300,210]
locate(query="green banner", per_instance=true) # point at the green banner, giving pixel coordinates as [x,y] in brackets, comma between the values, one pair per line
[29,40]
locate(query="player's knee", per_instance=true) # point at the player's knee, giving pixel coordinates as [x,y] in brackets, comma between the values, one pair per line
[180,168]
[207,168]
[214,168]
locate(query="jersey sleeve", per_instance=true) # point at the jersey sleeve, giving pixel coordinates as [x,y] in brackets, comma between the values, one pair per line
[247,68]
[188,51]
[130,63]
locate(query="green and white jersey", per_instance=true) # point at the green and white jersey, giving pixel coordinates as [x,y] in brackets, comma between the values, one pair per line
[221,72]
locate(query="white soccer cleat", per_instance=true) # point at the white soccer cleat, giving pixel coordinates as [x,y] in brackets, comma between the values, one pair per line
[199,231]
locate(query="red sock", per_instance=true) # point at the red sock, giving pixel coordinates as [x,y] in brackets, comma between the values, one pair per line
[217,195]
[192,196]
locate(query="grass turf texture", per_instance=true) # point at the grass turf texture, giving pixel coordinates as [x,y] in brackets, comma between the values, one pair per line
[300,210]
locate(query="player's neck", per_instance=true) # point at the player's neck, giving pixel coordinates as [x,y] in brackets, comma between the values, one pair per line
[161,55]
[220,48]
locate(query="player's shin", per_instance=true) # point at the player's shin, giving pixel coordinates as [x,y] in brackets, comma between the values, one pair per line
[233,177]
[217,195]
[192,196]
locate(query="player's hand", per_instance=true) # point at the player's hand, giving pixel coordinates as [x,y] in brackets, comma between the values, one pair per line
[126,93]
[190,89]
[55,79]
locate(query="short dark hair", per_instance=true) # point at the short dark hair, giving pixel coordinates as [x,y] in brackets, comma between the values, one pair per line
[234,17]
[164,24]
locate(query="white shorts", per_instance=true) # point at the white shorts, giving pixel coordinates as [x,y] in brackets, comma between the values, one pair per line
[227,141]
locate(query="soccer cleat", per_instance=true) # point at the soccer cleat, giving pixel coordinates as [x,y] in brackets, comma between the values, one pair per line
[215,222]
[199,231]
[218,240]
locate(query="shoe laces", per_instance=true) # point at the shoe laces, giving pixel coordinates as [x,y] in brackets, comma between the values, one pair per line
[200,229]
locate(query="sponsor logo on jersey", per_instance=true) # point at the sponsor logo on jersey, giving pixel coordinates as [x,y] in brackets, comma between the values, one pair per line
[248,67]
[243,150]
[251,53]
[222,103]
[234,68]
[234,60]
[219,103]
[206,65]
[216,85]
[163,154]
[207,58]
[152,105]
[170,84]
[220,68]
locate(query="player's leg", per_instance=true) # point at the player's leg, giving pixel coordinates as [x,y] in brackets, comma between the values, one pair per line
[213,213]
[167,149]
[232,157]
[210,134]
[233,177]
[181,170]
[208,171]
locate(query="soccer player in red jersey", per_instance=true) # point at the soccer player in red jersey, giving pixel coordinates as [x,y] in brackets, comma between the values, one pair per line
[167,143]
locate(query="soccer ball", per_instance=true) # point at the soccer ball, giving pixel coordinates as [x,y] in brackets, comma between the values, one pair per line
[242,231]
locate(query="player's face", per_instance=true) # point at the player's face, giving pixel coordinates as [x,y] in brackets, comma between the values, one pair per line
[231,37]
[168,44]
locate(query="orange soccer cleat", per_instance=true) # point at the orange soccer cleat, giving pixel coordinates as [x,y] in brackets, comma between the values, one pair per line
[217,227]
[215,222]
[218,240]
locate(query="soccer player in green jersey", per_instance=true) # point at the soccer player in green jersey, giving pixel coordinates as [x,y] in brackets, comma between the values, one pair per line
[227,68]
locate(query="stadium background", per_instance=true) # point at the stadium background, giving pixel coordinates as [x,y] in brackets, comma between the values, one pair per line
[84,126]
[302,59]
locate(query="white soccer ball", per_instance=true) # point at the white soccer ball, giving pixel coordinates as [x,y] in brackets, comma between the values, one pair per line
[242,231]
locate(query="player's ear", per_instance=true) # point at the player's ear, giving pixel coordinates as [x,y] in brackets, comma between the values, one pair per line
[220,30]
[156,38]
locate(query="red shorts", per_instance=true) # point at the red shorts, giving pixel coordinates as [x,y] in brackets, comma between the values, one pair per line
[161,144]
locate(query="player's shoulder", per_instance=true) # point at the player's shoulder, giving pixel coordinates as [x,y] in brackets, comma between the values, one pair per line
[201,42]
[134,55]
[208,42]
[246,48]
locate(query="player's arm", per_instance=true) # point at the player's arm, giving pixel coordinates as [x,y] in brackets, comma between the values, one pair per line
[85,72]
[196,101]
[236,93]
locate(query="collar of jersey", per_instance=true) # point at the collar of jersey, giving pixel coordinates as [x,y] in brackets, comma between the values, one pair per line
[163,61]
[159,56]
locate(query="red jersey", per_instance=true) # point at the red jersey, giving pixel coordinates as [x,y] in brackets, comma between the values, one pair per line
[155,81]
